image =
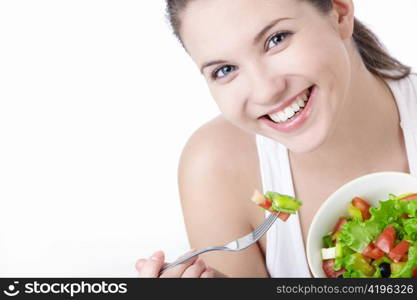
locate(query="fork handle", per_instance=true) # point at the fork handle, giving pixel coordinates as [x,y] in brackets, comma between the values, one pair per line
[185,258]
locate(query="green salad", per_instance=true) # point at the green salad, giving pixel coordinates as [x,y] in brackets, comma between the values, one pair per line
[374,242]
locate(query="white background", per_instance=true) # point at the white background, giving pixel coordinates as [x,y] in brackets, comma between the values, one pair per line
[97,99]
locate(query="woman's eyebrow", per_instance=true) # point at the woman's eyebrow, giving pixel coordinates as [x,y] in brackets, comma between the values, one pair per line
[210,63]
[255,40]
[267,28]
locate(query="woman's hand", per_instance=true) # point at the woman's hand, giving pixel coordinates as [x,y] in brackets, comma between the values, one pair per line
[192,268]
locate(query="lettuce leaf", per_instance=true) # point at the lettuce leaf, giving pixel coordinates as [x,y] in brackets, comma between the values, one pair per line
[410,207]
[410,228]
[387,211]
[357,235]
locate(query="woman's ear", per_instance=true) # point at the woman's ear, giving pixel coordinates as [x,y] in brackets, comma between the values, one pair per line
[343,11]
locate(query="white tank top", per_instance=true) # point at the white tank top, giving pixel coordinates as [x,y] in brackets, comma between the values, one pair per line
[285,251]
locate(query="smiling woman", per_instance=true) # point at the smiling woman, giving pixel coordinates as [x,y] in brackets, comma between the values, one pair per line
[309,100]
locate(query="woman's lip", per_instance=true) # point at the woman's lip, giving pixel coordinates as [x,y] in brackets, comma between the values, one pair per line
[296,121]
[287,103]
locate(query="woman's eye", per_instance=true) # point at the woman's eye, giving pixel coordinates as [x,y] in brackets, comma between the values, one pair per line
[276,39]
[222,71]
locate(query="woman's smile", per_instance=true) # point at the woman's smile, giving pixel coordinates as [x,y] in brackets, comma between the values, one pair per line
[293,113]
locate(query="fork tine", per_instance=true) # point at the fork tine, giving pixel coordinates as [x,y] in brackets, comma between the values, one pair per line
[265,223]
[259,233]
[260,230]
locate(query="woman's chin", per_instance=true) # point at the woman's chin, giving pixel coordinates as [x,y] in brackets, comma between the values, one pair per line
[307,144]
[305,148]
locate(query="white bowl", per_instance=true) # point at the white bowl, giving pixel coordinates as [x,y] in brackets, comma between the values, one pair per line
[371,187]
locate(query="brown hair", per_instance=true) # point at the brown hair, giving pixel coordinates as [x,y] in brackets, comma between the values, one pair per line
[374,55]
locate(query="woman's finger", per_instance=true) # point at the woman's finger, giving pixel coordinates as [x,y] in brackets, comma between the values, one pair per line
[139,264]
[151,267]
[208,273]
[195,270]
[178,270]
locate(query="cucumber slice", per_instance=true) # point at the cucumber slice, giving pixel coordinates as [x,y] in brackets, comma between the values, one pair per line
[328,253]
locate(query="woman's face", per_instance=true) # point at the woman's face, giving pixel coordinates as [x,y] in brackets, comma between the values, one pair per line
[275,67]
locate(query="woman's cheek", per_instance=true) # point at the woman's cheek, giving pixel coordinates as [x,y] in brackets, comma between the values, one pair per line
[231,102]
[319,50]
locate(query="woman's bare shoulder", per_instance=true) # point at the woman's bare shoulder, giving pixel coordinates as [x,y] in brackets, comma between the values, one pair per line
[220,143]
[218,154]
[217,175]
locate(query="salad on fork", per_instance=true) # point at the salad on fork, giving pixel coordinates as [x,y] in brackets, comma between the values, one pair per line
[276,203]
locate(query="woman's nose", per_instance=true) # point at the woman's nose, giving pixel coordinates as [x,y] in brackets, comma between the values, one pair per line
[267,87]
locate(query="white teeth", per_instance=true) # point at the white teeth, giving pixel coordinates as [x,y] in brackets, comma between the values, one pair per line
[275,118]
[290,110]
[295,107]
[282,116]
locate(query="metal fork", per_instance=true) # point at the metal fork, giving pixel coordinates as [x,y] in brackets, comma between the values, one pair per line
[236,245]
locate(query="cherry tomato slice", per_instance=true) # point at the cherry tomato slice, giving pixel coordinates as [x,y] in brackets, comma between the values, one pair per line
[386,239]
[328,265]
[363,206]
[399,251]
[372,251]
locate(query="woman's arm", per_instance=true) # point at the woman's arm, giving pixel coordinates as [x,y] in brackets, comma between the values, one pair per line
[217,176]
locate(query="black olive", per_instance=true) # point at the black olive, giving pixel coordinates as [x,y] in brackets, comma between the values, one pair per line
[340,276]
[385,269]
